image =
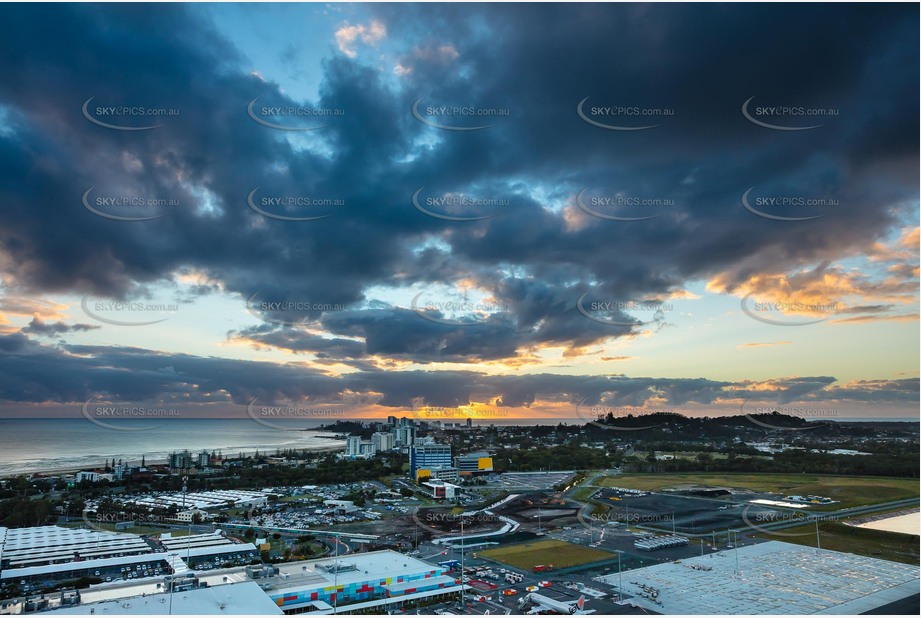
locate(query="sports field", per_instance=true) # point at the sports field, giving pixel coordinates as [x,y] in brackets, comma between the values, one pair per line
[560,554]
[847,490]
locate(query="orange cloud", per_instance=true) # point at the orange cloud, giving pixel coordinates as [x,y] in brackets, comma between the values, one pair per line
[908,317]
[348,36]
[820,291]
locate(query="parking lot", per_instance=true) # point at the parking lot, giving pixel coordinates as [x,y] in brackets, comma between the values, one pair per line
[679,513]
[617,538]
[567,587]
[527,481]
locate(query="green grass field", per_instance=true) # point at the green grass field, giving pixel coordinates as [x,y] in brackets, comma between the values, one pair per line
[582,493]
[558,553]
[849,539]
[847,490]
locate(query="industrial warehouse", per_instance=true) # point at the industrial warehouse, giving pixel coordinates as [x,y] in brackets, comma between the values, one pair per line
[35,558]
[184,570]
[375,579]
[769,578]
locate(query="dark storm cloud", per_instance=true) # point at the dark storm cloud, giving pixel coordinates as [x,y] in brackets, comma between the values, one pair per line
[906,389]
[300,341]
[32,372]
[702,61]
[39,327]
[535,314]
[787,390]
[208,158]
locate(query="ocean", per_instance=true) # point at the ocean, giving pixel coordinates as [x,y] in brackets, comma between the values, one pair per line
[41,444]
[32,445]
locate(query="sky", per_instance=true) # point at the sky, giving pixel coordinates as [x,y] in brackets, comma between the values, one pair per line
[528,212]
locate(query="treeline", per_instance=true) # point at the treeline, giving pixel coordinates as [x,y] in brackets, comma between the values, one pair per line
[24,513]
[570,457]
[896,465]
[327,471]
[748,428]
[565,457]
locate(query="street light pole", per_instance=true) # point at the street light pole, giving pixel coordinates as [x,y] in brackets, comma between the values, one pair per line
[336,576]
[188,539]
[463,574]
[735,546]
[620,579]
[169,579]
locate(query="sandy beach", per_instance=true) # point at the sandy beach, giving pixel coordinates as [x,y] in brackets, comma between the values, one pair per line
[151,462]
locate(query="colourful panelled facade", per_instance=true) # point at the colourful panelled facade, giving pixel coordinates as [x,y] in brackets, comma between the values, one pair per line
[356,591]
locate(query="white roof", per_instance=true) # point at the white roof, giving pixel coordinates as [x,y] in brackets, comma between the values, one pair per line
[773,578]
[83,564]
[23,547]
[242,598]
[375,565]
[229,548]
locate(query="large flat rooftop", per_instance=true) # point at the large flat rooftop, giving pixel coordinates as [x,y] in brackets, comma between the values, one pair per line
[352,568]
[773,578]
[23,547]
[242,598]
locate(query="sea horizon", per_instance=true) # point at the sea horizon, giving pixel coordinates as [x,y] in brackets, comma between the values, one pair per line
[51,444]
[34,446]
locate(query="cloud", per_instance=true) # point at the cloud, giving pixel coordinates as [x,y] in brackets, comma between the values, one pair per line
[348,36]
[49,329]
[39,308]
[539,255]
[821,291]
[763,345]
[38,373]
[908,317]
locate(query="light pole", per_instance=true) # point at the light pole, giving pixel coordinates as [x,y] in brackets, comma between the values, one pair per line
[336,574]
[463,573]
[188,538]
[818,544]
[169,580]
[735,546]
[620,578]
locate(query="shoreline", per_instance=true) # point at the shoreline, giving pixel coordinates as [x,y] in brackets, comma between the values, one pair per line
[57,471]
